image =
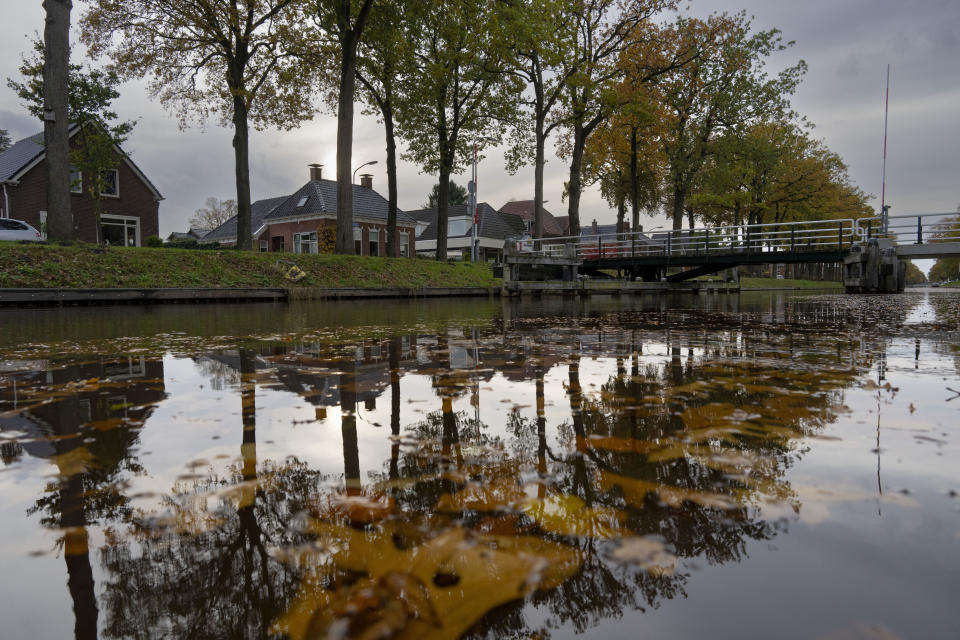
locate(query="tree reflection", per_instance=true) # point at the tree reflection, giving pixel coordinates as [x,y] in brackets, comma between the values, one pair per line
[85,419]
[200,572]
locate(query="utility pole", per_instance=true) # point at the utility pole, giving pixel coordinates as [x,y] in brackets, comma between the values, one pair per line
[472,190]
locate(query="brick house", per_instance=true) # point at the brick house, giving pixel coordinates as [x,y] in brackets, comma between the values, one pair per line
[292,223]
[129,209]
[526,211]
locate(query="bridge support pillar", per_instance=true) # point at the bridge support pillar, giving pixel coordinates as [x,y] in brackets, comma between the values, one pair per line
[874,268]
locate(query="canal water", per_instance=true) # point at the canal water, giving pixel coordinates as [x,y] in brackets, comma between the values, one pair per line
[762,465]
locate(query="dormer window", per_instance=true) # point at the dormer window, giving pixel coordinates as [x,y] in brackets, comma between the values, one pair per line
[302,201]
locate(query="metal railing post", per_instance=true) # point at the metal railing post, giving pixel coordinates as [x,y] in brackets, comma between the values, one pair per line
[869,229]
[919,230]
[840,236]
[633,245]
[793,238]
[599,247]
[706,241]
[669,241]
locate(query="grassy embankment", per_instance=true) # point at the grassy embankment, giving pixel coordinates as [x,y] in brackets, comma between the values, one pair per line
[54,266]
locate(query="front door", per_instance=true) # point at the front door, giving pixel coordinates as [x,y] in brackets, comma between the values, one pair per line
[276,244]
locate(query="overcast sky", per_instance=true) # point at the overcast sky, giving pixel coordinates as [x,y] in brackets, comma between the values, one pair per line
[846,43]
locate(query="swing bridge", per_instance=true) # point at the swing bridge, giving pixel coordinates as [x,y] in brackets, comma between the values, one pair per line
[872,250]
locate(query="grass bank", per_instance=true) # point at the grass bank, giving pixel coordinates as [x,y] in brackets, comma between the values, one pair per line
[52,266]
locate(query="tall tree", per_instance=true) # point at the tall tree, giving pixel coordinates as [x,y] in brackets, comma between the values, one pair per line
[724,87]
[343,22]
[99,133]
[541,58]
[604,29]
[462,96]
[209,57]
[56,118]
[214,213]
[4,140]
[383,66]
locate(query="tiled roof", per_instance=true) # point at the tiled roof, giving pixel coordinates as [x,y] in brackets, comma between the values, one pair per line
[20,155]
[24,152]
[319,197]
[564,223]
[492,223]
[227,231]
[525,209]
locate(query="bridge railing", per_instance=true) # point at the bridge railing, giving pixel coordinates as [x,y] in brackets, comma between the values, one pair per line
[918,228]
[819,235]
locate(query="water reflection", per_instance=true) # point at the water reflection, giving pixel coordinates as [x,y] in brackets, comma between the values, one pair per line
[547,469]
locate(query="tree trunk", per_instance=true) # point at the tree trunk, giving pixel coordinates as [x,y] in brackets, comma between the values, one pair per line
[241,152]
[56,117]
[443,203]
[574,187]
[538,180]
[348,69]
[679,197]
[349,38]
[634,181]
[621,212]
[393,244]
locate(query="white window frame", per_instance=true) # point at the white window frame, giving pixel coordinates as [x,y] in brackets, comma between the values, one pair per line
[457,221]
[404,244]
[264,245]
[126,221]
[116,183]
[373,236]
[302,240]
[76,186]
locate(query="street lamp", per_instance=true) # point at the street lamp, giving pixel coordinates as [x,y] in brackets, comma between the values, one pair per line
[353,180]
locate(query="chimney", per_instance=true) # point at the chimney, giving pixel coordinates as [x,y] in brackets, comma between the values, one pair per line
[366,180]
[316,172]
[596,229]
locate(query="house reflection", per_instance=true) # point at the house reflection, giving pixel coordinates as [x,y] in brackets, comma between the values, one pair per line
[85,419]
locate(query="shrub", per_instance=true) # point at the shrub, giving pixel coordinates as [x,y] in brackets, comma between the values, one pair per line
[154,241]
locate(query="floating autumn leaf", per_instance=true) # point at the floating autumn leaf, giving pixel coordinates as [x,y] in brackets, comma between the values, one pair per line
[635,492]
[569,515]
[363,509]
[497,495]
[648,553]
[626,445]
[75,461]
[436,589]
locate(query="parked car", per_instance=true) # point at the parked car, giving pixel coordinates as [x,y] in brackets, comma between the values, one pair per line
[11,229]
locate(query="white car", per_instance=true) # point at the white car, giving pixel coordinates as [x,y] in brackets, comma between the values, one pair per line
[11,229]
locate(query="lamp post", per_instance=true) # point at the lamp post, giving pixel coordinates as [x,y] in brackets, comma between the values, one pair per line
[353,180]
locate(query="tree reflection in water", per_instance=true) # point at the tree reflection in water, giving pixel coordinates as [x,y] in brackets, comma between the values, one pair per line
[670,458]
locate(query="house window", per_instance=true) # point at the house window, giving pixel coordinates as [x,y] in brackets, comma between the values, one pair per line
[111,183]
[404,244]
[456,227]
[305,242]
[264,245]
[302,201]
[120,231]
[357,239]
[277,244]
[76,180]
[374,242]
